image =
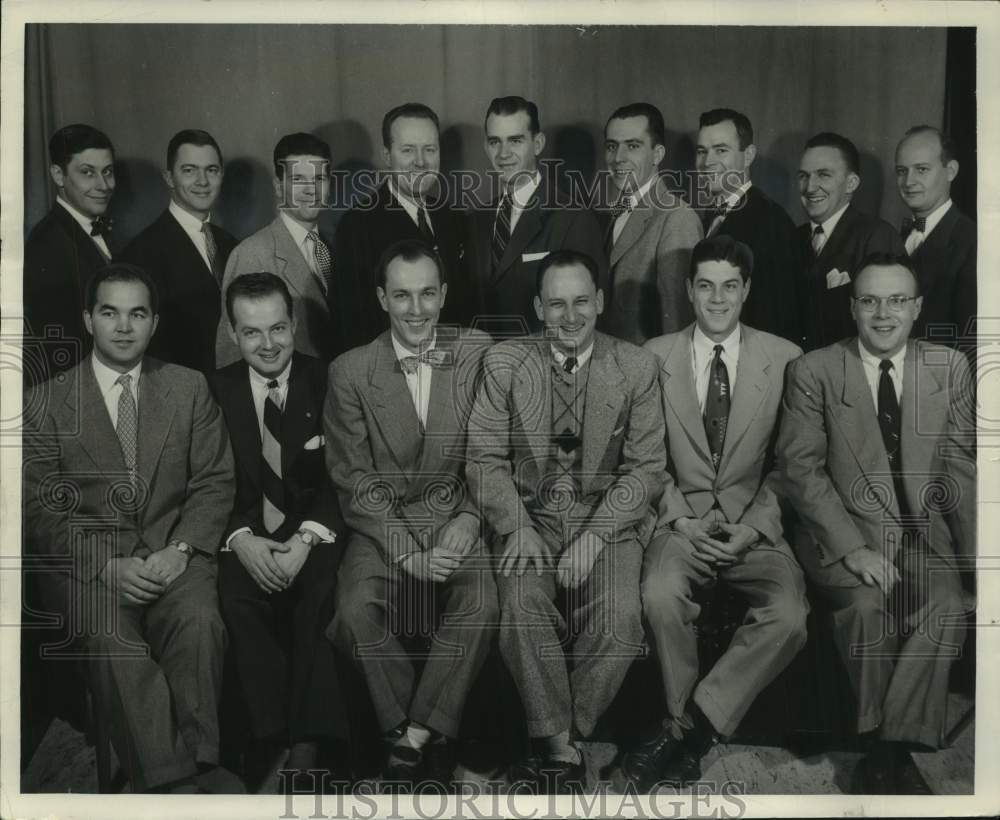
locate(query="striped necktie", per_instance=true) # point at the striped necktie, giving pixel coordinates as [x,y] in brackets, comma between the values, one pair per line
[501,228]
[211,250]
[273,486]
[128,424]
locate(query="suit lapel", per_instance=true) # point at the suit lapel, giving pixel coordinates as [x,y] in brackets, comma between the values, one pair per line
[605,396]
[96,434]
[636,224]
[751,388]
[681,394]
[529,225]
[441,431]
[532,399]
[180,239]
[835,242]
[929,395]
[298,418]
[156,414]
[393,405]
[244,430]
[290,258]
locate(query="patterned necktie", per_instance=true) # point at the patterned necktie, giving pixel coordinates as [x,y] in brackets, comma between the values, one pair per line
[101,226]
[424,226]
[714,218]
[273,486]
[324,264]
[717,406]
[128,423]
[501,228]
[889,424]
[818,239]
[911,224]
[211,249]
[435,358]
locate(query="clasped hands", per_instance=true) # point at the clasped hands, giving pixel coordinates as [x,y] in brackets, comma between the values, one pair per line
[454,543]
[708,547]
[273,565]
[142,580]
[525,547]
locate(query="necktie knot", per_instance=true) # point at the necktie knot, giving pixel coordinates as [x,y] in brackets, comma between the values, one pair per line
[434,358]
[569,364]
[910,224]
[818,239]
[818,230]
[885,365]
[100,226]
[718,350]
[125,380]
[272,385]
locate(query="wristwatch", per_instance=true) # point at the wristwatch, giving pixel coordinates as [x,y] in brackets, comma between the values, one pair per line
[185,549]
[309,538]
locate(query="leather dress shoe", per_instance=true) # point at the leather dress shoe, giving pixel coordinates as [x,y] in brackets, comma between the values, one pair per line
[683,769]
[644,765]
[547,776]
[403,770]
[908,778]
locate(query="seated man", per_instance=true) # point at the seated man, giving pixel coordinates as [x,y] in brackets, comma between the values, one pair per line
[395,421]
[566,457]
[719,521]
[876,454]
[140,450]
[277,570]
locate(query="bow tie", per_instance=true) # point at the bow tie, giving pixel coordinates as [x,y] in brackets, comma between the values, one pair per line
[100,226]
[910,225]
[434,358]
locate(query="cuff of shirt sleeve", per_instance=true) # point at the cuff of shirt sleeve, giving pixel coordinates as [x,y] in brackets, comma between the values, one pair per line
[232,535]
[322,533]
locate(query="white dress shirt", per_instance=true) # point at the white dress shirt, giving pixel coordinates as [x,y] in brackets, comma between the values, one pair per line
[581,359]
[702,354]
[300,235]
[409,206]
[520,199]
[419,383]
[192,226]
[872,364]
[111,392]
[636,197]
[916,238]
[87,223]
[829,226]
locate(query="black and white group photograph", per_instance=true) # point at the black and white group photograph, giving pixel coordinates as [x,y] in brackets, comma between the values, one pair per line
[440,409]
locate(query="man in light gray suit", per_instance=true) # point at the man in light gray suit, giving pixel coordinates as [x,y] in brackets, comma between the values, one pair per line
[291,247]
[649,234]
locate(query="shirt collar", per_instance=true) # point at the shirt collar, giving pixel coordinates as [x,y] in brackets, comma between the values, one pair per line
[106,377]
[640,194]
[522,196]
[874,361]
[831,223]
[84,221]
[935,216]
[705,347]
[581,360]
[261,381]
[406,202]
[188,221]
[732,200]
[402,352]
[298,231]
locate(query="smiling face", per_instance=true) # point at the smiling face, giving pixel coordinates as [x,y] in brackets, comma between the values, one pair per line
[304,188]
[882,331]
[88,181]
[629,152]
[569,305]
[511,147]
[922,179]
[122,323]
[825,183]
[413,154]
[717,294]
[413,297]
[264,332]
[719,155]
[196,179]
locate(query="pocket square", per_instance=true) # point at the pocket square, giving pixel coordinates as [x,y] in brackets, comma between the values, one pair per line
[835,278]
[314,443]
[533,257]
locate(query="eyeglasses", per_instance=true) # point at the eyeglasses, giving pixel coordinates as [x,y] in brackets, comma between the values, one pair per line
[895,303]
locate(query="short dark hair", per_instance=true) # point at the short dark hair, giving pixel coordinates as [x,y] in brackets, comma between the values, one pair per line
[744,129]
[505,106]
[654,119]
[410,109]
[256,286]
[829,139]
[565,259]
[190,136]
[409,250]
[947,143]
[298,144]
[887,259]
[121,272]
[75,139]
[722,248]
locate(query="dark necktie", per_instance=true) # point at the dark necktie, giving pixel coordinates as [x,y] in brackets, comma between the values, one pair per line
[818,239]
[910,225]
[273,486]
[100,226]
[211,250]
[889,424]
[501,229]
[324,264]
[127,427]
[435,358]
[714,218]
[424,226]
[569,364]
[717,406]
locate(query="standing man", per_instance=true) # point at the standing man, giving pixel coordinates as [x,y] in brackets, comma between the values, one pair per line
[140,450]
[721,384]
[292,248]
[531,220]
[650,233]
[186,254]
[395,419]
[63,251]
[725,152]
[277,570]
[836,239]
[876,455]
[939,238]
[566,458]
[405,207]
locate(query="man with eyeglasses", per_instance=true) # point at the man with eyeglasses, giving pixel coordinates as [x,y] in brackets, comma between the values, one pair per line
[876,454]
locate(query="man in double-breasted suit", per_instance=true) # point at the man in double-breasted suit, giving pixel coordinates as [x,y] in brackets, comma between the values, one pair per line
[650,231]
[186,254]
[395,422]
[719,521]
[532,219]
[565,459]
[279,565]
[129,478]
[292,247]
[876,454]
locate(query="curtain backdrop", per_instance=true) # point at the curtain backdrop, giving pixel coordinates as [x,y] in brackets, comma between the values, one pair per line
[249,84]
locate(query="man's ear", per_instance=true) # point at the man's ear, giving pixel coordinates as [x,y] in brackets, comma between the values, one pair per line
[88,320]
[57,175]
[659,152]
[750,153]
[380,293]
[951,168]
[853,182]
[168,179]
[538,310]
[539,142]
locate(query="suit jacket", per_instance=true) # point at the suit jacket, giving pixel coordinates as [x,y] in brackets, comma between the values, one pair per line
[398,484]
[309,496]
[190,306]
[773,303]
[828,310]
[946,266]
[546,225]
[59,260]
[273,250]
[75,474]
[832,464]
[510,431]
[649,267]
[369,228]
[740,486]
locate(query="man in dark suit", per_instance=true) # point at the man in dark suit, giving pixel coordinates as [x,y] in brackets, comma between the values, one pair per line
[63,250]
[186,254]
[876,454]
[531,220]
[404,207]
[836,239]
[277,570]
[292,248]
[650,231]
[395,421]
[128,480]
[725,152]
[939,238]
[565,460]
